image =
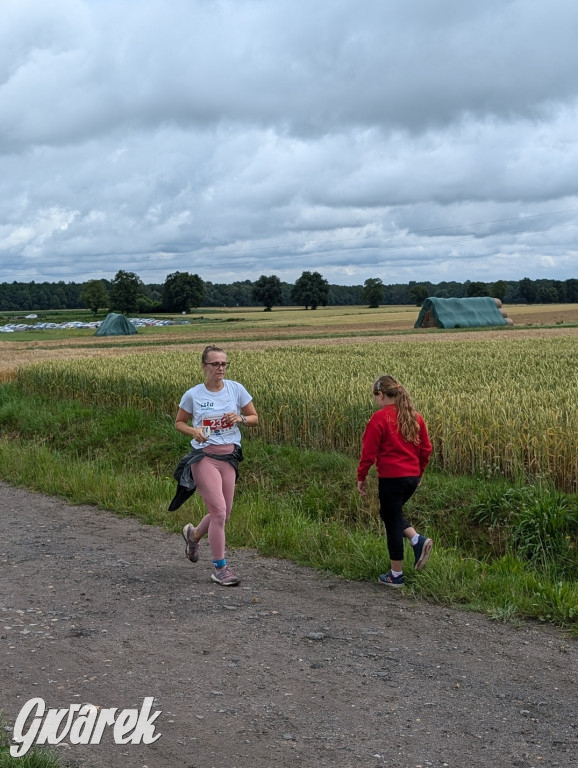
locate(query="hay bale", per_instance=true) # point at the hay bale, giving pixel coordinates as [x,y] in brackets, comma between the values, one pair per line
[428,320]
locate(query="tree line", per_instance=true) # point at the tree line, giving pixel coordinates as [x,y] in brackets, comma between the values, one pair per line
[183,292]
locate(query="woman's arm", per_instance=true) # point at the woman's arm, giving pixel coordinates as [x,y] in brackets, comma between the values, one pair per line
[251,419]
[250,414]
[182,425]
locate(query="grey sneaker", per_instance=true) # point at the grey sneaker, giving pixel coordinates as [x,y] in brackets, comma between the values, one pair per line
[225,576]
[421,552]
[192,546]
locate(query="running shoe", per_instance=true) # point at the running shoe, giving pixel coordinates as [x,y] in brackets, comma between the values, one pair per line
[225,577]
[192,546]
[389,580]
[421,552]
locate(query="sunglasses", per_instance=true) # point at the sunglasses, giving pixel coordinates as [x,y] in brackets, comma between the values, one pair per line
[219,365]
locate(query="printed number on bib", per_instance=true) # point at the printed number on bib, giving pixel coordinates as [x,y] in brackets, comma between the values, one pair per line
[218,424]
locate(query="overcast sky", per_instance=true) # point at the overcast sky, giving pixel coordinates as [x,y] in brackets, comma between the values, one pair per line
[400,139]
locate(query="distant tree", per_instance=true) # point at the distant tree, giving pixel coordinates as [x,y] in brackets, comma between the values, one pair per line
[213,297]
[344,295]
[125,290]
[396,294]
[14,296]
[571,290]
[418,293]
[286,289]
[547,294]
[527,290]
[448,290]
[94,295]
[148,306]
[560,288]
[154,292]
[310,290]
[182,292]
[477,289]
[42,299]
[240,293]
[373,292]
[268,291]
[499,290]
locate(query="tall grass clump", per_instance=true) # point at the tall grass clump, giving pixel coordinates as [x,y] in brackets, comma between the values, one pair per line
[537,523]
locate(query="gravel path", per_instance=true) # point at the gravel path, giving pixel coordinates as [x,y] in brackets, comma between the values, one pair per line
[292,668]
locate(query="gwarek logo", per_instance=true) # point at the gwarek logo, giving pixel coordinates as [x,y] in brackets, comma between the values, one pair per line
[82,724]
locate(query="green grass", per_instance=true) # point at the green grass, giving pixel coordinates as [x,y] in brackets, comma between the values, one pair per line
[35,758]
[303,505]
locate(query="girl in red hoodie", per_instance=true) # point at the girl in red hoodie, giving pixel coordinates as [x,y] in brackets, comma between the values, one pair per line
[397,442]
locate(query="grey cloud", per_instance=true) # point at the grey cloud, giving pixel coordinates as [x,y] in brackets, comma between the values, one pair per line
[241,138]
[313,68]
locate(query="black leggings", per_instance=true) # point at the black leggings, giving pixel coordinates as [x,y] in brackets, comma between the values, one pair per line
[393,493]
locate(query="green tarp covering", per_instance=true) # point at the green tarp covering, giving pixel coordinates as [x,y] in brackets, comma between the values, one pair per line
[115,325]
[459,313]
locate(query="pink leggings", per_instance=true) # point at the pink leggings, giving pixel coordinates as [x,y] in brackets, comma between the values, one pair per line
[215,480]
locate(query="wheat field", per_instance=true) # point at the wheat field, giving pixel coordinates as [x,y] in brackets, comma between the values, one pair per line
[492,408]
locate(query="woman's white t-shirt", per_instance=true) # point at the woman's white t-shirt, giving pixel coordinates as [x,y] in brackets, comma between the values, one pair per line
[208,408]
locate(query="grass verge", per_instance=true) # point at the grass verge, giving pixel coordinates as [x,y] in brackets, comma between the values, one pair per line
[35,758]
[303,506]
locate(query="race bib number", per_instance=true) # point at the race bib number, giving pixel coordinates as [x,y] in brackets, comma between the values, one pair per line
[218,424]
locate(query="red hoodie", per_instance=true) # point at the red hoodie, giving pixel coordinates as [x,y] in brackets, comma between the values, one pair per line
[384,446]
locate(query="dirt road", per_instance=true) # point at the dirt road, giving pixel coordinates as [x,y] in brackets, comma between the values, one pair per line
[290,668]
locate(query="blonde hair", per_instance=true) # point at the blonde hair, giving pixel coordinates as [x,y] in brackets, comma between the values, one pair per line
[406,413]
[208,350]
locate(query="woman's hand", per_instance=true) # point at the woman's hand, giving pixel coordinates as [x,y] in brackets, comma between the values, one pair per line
[362,487]
[233,418]
[199,435]
[247,412]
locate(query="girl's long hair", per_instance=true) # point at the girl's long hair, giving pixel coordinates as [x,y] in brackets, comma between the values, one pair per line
[406,413]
